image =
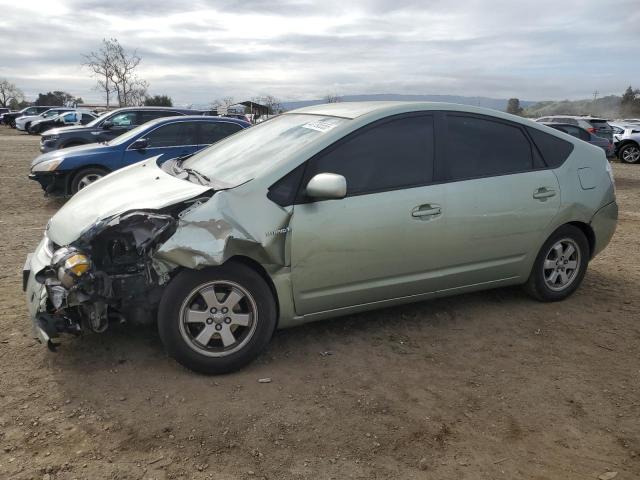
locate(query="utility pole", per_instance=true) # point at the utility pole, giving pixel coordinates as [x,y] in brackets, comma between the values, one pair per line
[595,95]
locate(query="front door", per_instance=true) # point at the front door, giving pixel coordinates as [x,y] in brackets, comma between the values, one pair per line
[168,141]
[375,243]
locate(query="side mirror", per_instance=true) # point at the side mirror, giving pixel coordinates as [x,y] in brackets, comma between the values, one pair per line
[107,124]
[327,185]
[139,144]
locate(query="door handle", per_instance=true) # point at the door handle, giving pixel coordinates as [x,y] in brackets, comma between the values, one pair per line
[543,193]
[426,210]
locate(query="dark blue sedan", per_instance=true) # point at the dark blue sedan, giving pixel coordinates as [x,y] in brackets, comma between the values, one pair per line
[64,172]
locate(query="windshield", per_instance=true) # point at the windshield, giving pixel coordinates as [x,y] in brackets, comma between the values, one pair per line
[242,156]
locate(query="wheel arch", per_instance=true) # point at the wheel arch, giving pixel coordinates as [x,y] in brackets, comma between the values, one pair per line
[260,270]
[588,232]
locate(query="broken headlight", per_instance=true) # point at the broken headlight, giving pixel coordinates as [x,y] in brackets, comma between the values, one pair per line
[70,264]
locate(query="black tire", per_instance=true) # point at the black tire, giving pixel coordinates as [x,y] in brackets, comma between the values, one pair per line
[77,182]
[538,283]
[34,130]
[629,153]
[177,297]
[26,127]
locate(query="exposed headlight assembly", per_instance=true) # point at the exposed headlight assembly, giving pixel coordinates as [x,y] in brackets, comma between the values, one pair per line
[47,138]
[70,264]
[47,165]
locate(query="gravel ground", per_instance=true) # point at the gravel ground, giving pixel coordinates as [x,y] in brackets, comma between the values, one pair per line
[481,386]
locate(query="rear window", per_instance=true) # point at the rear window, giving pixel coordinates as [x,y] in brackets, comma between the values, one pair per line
[600,124]
[554,150]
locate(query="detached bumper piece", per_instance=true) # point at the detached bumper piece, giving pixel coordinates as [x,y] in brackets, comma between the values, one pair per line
[48,327]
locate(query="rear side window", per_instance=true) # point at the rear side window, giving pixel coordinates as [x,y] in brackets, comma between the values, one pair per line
[173,135]
[477,147]
[146,115]
[554,150]
[211,132]
[386,156]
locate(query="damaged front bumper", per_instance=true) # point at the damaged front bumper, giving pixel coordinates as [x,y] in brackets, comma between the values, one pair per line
[68,292]
[45,326]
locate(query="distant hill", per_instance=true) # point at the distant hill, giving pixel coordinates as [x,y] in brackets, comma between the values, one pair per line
[608,107]
[494,103]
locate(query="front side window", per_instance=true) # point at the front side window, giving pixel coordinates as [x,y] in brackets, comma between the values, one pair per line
[172,135]
[394,154]
[477,147]
[124,119]
[212,132]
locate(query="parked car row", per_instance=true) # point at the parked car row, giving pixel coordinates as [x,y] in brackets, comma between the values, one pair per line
[65,171]
[319,212]
[621,137]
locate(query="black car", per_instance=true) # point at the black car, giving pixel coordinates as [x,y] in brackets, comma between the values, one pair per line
[10,118]
[107,126]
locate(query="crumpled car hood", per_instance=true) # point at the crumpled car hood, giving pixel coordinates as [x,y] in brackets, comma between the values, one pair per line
[141,186]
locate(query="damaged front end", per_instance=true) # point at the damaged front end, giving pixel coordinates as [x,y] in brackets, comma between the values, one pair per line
[107,275]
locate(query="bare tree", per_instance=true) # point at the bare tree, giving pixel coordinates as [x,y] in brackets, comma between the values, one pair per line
[9,93]
[115,69]
[332,98]
[222,103]
[100,63]
[272,103]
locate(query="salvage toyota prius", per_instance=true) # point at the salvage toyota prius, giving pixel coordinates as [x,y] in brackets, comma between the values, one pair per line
[317,213]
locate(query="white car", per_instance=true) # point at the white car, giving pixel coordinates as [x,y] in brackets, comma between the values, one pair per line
[22,123]
[626,140]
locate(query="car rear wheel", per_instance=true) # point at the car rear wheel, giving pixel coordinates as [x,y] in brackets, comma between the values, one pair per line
[630,153]
[218,319]
[86,177]
[560,265]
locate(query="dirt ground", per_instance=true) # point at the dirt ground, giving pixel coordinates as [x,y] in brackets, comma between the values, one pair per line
[483,386]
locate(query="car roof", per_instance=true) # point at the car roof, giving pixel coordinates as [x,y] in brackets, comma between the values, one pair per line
[200,118]
[155,109]
[380,109]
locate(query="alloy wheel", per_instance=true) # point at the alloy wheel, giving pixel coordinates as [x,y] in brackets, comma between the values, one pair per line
[218,318]
[631,154]
[561,264]
[88,180]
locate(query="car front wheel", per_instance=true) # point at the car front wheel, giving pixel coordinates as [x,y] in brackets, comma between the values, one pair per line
[85,177]
[560,265]
[630,153]
[218,319]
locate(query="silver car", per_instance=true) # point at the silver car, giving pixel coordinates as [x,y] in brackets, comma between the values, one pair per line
[626,138]
[321,212]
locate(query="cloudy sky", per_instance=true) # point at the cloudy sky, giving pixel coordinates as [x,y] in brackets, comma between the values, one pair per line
[197,51]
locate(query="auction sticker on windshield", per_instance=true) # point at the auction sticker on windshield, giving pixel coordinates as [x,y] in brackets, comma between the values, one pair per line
[322,125]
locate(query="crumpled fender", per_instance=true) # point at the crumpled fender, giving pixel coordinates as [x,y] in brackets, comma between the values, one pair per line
[233,222]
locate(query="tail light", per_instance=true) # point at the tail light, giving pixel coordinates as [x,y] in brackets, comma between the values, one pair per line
[592,130]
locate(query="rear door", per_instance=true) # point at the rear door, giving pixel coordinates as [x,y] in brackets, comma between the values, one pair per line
[211,132]
[499,196]
[168,141]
